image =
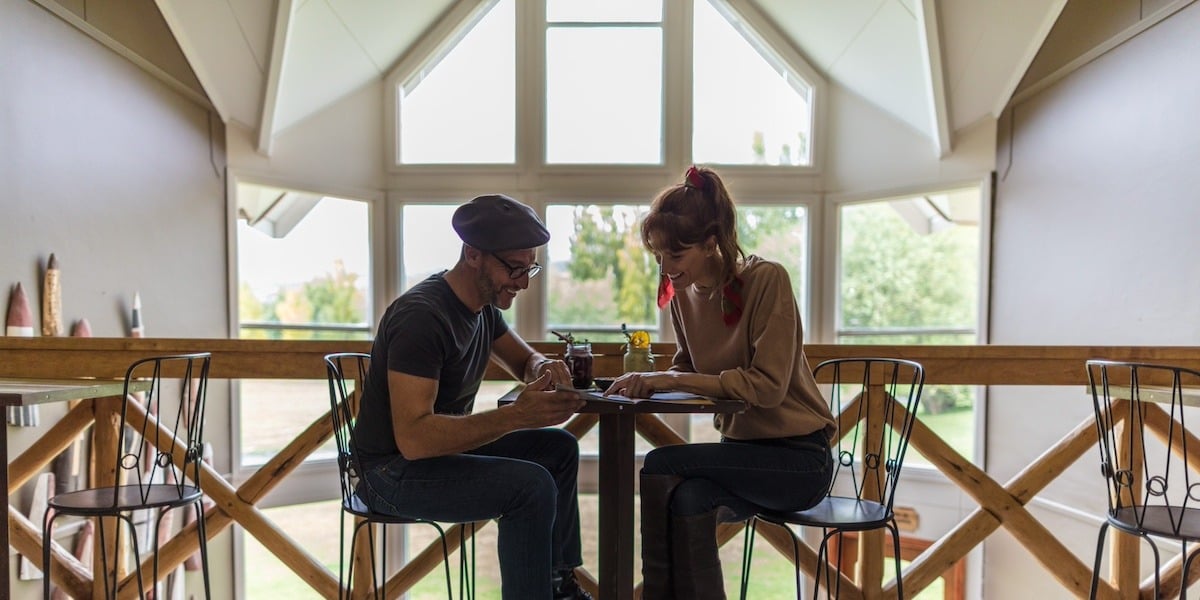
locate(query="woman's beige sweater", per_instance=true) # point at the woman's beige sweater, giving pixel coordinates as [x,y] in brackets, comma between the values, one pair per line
[760,359]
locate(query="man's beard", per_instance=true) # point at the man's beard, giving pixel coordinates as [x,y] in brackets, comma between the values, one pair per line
[489,292]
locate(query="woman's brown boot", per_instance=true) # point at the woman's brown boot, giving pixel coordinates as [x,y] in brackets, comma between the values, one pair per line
[656,493]
[697,566]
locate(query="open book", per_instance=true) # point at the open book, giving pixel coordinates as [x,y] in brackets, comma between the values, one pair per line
[673,397]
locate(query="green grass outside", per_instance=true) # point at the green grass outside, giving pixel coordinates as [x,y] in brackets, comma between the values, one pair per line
[955,426]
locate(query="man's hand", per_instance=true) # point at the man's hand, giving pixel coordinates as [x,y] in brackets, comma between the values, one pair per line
[540,405]
[560,375]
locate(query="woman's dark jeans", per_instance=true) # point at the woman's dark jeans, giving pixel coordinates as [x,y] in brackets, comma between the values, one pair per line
[744,477]
[527,480]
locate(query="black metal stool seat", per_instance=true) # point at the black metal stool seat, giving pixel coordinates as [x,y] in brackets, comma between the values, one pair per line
[104,501]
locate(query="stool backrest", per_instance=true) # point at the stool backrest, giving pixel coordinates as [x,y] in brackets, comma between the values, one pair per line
[168,446]
[347,374]
[876,401]
[1146,446]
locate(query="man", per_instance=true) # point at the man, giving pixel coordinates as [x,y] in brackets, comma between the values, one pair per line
[425,454]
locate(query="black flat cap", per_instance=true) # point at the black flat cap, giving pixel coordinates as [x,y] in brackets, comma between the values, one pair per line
[497,222]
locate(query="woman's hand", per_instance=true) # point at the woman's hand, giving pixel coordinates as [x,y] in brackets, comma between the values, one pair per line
[641,385]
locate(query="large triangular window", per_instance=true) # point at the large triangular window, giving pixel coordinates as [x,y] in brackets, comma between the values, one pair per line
[748,107]
[460,108]
[549,83]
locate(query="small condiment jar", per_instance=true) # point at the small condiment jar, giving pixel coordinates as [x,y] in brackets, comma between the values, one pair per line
[579,360]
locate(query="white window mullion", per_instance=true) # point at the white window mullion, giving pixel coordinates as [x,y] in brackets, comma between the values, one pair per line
[531,91]
[531,144]
[677,85]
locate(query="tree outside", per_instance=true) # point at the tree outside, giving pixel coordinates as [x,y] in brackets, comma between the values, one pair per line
[905,287]
[333,298]
[610,278]
[895,278]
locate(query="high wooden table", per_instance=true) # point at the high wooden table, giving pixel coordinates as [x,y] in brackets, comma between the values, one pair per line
[617,460]
[30,392]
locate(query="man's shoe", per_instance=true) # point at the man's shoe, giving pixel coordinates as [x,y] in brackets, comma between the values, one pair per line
[567,588]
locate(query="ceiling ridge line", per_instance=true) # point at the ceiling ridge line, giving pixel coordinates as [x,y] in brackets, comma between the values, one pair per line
[854,38]
[262,68]
[357,42]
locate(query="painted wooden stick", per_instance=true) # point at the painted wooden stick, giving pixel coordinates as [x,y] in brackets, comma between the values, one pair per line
[37,509]
[19,323]
[20,319]
[83,549]
[52,323]
[136,329]
[166,531]
[67,465]
[81,328]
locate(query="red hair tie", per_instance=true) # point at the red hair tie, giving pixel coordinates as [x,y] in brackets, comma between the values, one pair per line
[695,179]
[732,303]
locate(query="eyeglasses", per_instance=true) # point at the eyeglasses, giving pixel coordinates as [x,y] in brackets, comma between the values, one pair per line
[516,272]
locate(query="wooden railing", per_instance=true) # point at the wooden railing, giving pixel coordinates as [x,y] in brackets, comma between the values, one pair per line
[1000,504]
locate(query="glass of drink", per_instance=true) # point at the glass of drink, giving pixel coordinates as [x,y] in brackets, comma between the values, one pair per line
[579,361]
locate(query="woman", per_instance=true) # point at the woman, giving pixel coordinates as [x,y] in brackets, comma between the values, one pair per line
[739,336]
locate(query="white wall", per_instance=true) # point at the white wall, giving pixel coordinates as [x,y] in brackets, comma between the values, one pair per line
[123,180]
[870,151]
[1095,242]
[340,147]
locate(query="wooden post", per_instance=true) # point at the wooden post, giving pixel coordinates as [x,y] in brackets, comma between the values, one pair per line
[1124,549]
[105,435]
[870,549]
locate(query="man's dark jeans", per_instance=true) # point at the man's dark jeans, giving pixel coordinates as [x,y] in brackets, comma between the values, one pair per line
[527,480]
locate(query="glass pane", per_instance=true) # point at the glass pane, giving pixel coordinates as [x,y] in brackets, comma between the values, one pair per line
[748,108]
[909,274]
[604,11]
[304,269]
[598,274]
[428,242]
[428,245]
[275,411]
[309,279]
[604,95]
[779,234]
[462,107]
[315,528]
[908,267]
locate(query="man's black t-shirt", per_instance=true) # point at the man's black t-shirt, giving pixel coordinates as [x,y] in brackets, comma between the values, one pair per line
[427,332]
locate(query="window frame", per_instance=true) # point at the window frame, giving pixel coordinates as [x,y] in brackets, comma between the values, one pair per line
[530,166]
[832,226]
[831,282]
[310,482]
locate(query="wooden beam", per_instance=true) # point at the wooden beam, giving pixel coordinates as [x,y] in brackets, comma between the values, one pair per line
[59,357]
[935,77]
[279,45]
